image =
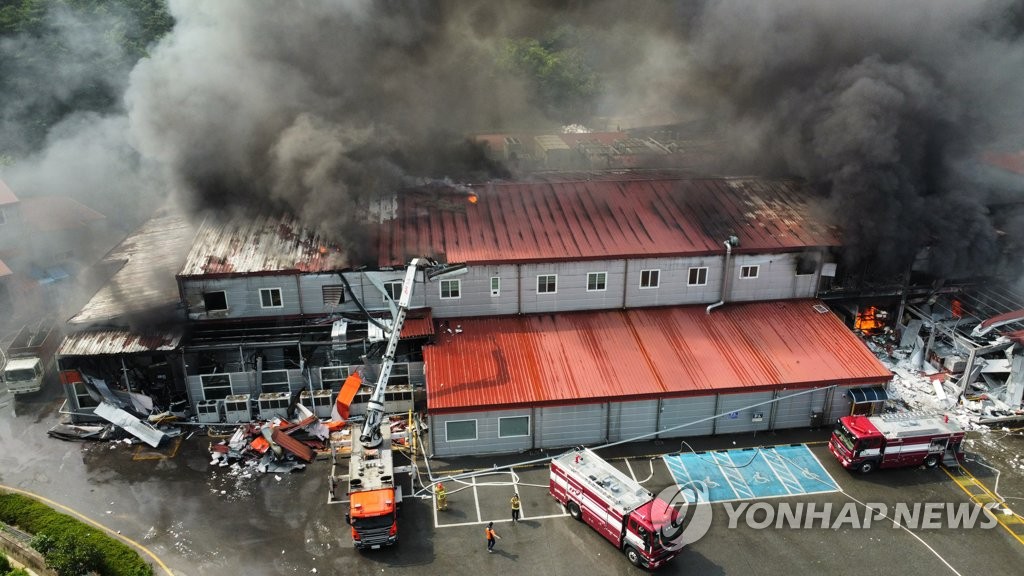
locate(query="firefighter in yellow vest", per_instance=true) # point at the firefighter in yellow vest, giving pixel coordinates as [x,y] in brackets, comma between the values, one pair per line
[516,505]
[441,495]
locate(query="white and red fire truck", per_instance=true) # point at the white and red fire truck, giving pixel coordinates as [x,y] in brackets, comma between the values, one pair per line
[864,443]
[615,505]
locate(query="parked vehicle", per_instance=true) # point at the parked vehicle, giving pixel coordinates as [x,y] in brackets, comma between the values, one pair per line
[864,443]
[30,356]
[618,507]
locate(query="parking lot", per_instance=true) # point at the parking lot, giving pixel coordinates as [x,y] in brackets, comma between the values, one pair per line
[201,519]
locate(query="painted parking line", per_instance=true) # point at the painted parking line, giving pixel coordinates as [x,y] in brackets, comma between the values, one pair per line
[747,473]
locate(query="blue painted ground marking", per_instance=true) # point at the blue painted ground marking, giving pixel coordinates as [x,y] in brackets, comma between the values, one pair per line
[751,473]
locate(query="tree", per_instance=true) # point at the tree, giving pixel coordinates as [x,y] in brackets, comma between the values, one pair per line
[68,554]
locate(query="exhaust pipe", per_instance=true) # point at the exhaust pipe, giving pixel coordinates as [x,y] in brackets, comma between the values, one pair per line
[732,241]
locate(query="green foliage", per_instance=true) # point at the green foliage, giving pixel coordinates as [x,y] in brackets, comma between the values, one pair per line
[67,56]
[5,564]
[565,85]
[69,545]
[18,572]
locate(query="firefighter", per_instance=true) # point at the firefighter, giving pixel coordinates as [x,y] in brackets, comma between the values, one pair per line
[441,495]
[516,505]
[491,536]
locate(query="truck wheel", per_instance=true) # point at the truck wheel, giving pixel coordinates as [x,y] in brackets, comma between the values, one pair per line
[633,556]
[931,461]
[866,467]
[574,511]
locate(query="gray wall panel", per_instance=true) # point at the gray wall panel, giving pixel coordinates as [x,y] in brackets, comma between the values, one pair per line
[732,403]
[631,419]
[795,412]
[678,411]
[487,440]
[561,426]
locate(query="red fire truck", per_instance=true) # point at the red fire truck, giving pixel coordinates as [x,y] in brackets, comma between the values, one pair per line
[615,505]
[864,443]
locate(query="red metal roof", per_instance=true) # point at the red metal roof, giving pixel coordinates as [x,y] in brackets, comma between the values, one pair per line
[6,195]
[642,353]
[418,323]
[616,216]
[49,213]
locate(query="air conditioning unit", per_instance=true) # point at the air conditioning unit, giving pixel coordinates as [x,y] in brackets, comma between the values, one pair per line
[274,405]
[320,402]
[237,408]
[209,411]
[339,335]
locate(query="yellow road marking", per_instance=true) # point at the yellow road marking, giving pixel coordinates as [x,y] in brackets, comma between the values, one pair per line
[88,520]
[980,494]
[141,453]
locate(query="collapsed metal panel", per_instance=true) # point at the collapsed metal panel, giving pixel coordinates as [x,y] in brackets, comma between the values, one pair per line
[130,423]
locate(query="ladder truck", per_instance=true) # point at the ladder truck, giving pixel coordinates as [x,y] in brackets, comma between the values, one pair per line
[374,496]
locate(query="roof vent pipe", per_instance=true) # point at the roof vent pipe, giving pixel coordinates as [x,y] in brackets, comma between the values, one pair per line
[726,274]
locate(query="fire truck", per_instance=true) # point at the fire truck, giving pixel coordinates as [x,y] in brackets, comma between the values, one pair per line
[864,443]
[618,507]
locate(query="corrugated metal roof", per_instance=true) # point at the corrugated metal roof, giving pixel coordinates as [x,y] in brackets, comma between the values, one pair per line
[118,341]
[151,255]
[642,353]
[616,216]
[418,323]
[50,213]
[7,196]
[260,245]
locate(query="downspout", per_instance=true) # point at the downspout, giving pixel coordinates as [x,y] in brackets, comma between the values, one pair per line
[726,272]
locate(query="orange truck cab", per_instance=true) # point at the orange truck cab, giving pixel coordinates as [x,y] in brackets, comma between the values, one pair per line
[373,515]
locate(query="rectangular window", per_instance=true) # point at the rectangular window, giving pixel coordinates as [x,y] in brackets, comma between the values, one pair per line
[749,271]
[393,290]
[457,430]
[698,276]
[513,426]
[332,377]
[215,386]
[334,294]
[215,301]
[451,289]
[84,399]
[274,381]
[547,284]
[495,286]
[597,281]
[270,298]
[650,278]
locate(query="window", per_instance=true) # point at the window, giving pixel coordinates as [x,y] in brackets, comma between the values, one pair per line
[215,301]
[749,271]
[332,377]
[274,381]
[456,430]
[334,294]
[806,264]
[650,278]
[495,286]
[84,399]
[215,386]
[270,297]
[393,290]
[547,284]
[451,289]
[597,281]
[698,276]
[513,426]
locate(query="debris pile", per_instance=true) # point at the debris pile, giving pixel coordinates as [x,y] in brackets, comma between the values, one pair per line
[276,446]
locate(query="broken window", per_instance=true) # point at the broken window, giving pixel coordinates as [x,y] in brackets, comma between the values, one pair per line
[597,281]
[215,386]
[82,394]
[451,289]
[274,381]
[806,264]
[393,290]
[334,294]
[749,272]
[332,377]
[650,278]
[697,276]
[270,298]
[547,284]
[215,301]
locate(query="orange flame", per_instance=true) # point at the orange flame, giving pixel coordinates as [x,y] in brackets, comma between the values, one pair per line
[472,198]
[869,320]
